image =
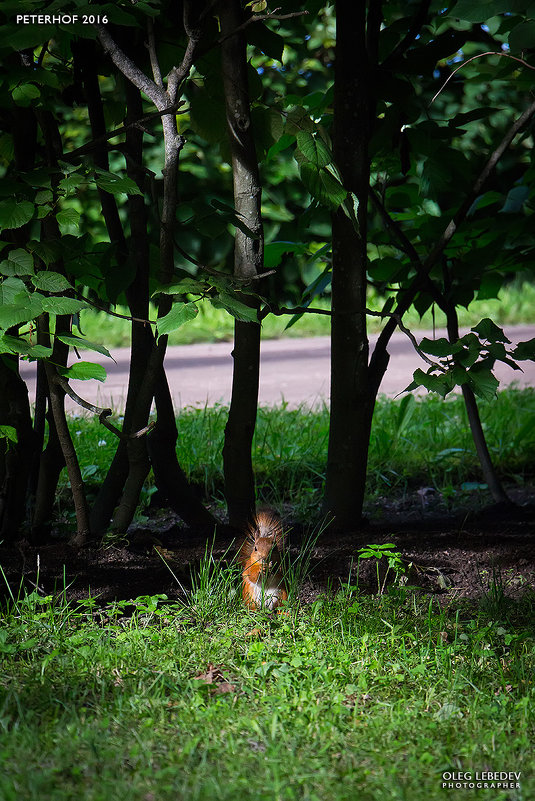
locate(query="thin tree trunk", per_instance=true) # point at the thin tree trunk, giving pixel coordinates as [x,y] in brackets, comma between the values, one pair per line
[351,401]
[50,460]
[248,262]
[173,143]
[15,458]
[472,411]
[57,405]
[137,293]
[168,475]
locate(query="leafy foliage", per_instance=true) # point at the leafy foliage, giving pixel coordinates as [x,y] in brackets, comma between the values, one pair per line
[446,84]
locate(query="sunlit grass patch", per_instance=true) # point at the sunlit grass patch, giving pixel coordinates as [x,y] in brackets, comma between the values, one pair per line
[350,696]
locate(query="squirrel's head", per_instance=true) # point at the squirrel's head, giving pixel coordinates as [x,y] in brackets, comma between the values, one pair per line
[264,542]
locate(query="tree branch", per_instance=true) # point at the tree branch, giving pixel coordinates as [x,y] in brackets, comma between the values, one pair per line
[260,18]
[156,72]
[95,143]
[103,413]
[479,55]
[465,206]
[127,67]
[409,295]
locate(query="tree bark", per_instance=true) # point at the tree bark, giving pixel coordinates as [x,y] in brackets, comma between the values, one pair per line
[57,405]
[351,400]
[168,475]
[50,461]
[248,262]
[15,458]
[173,143]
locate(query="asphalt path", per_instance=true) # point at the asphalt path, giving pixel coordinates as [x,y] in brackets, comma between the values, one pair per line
[293,371]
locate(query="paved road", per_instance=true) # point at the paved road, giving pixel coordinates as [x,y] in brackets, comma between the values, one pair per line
[292,370]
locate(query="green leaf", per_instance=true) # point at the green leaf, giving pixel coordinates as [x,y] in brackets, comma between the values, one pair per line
[266,40]
[24,94]
[477,11]
[488,330]
[9,433]
[83,371]
[180,314]
[45,251]
[483,382]
[116,184]
[184,286]
[237,308]
[313,149]
[18,262]
[274,251]
[525,351]
[68,217]
[323,186]
[84,344]
[522,36]
[18,307]
[439,347]
[298,119]
[10,344]
[9,289]
[62,305]
[49,281]
[385,268]
[14,213]
[71,182]
[44,196]
[433,383]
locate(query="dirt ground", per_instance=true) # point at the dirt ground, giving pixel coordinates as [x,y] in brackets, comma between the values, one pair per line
[463,553]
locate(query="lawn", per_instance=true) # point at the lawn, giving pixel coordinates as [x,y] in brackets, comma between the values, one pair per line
[415,442]
[352,696]
[345,695]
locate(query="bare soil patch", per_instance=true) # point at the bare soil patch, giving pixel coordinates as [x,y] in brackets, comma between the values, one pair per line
[460,553]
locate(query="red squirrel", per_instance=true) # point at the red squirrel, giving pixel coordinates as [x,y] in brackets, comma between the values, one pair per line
[263,581]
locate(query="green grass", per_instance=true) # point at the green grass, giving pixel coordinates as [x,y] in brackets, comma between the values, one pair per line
[515,306]
[414,442]
[349,697]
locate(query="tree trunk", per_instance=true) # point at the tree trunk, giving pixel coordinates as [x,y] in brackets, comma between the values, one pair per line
[351,400]
[168,475]
[15,458]
[50,461]
[248,262]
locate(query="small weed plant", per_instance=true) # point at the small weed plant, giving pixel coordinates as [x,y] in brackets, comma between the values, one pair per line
[385,553]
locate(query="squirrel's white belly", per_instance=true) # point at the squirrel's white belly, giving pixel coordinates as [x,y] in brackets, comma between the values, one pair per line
[265,594]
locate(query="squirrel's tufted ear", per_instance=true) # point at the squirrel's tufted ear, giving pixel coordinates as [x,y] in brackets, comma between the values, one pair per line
[269,524]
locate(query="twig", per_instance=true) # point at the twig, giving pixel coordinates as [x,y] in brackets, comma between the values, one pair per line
[95,143]
[114,314]
[473,58]
[156,72]
[260,18]
[103,413]
[279,311]
[465,206]
[409,250]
